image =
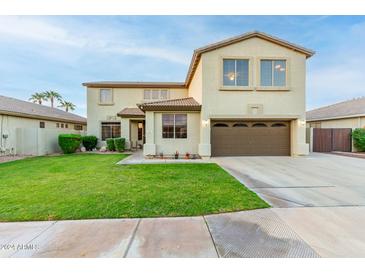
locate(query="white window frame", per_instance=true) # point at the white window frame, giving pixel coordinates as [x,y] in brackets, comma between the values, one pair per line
[149,93]
[250,73]
[273,88]
[112,96]
[174,126]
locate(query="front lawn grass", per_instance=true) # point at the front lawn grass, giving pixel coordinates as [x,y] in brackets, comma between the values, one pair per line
[92,186]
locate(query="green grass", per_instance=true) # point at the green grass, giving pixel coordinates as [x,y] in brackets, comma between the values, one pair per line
[92,186]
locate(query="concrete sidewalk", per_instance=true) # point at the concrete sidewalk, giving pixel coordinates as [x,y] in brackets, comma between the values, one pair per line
[279,232]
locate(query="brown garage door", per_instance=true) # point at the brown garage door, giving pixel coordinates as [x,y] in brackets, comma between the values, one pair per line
[241,138]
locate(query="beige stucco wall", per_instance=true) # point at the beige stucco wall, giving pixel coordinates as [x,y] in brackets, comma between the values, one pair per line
[196,85]
[235,103]
[356,122]
[122,98]
[155,144]
[28,129]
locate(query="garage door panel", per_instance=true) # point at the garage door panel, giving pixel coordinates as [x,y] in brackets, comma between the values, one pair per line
[258,141]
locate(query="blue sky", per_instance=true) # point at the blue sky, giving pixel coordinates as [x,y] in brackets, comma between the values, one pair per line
[40,53]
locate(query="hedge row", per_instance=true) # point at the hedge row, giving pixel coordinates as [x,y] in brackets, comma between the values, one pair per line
[89,142]
[358,135]
[115,144]
[69,142]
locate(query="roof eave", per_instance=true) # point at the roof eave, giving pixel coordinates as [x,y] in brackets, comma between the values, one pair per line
[131,115]
[335,118]
[171,108]
[135,85]
[41,117]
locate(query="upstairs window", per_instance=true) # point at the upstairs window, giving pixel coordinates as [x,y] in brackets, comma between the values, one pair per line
[235,72]
[106,96]
[273,73]
[156,94]
[42,124]
[174,126]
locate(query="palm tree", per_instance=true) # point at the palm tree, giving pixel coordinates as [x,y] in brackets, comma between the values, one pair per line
[52,96]
[67,105]
[38,97]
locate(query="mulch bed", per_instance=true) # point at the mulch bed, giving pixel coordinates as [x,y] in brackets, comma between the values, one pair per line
[4,159]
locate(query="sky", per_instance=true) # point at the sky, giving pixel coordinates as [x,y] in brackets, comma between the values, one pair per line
[39,53]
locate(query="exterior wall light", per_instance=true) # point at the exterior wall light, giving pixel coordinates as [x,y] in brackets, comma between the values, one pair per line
[205,123]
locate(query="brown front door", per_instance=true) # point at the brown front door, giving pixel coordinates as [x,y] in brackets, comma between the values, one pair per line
[253,138]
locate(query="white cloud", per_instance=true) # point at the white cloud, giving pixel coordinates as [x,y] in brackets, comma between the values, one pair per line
[39,30]
[27,28]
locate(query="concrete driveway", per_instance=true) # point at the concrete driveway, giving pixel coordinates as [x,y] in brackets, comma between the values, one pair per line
[318,180]
[318,211]
[321,197]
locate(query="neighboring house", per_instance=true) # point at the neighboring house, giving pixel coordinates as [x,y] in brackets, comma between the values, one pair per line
[242,96]
[347,114]
[28,128]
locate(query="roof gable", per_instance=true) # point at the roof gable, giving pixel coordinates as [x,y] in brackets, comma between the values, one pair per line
[255,34]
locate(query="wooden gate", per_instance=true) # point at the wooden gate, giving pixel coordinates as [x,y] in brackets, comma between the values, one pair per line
[332,139]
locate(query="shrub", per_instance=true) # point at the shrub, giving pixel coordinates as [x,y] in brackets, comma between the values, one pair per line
[110,144]
[89,142]
[358,135]
[69,142]
[119,144]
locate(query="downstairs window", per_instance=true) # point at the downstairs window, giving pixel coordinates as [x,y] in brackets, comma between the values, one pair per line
[110,130]
[174,126]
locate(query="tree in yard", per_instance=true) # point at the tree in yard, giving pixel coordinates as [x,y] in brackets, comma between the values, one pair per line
[67,105]
[52,96]
[38,97]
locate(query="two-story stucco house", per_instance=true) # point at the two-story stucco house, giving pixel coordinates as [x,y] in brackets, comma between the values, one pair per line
[242,96]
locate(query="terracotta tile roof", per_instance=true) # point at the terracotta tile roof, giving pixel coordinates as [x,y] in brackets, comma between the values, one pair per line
[196,58]
[15,107]
[187,103]
[131,112]
[351,108]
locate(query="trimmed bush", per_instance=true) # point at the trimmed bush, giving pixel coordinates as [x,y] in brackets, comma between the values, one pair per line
[110,144]
[358,135]
[89,142]
[119,144]
[69,142]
